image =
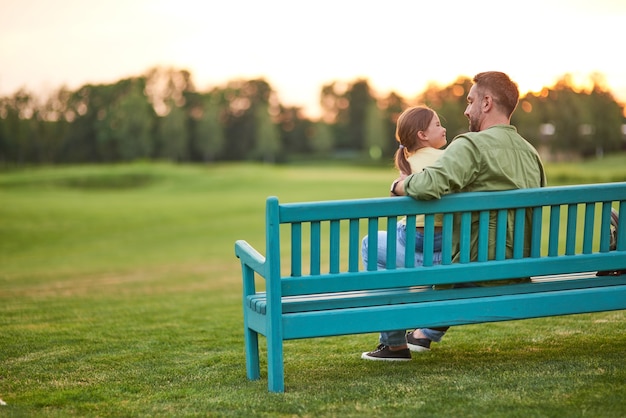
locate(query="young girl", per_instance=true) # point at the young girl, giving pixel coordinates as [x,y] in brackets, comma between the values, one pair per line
[420,137]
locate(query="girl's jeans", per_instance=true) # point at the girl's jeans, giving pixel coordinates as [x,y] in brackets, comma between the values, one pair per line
[396,338]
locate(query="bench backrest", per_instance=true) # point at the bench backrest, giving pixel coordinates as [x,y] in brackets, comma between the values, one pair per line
[315,247]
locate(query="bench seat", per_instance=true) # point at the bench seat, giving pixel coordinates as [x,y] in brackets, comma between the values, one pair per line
[556,295]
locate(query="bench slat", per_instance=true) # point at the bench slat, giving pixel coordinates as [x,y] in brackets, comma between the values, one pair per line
[381,207]
[590,211]
[454,273]
[454,312]
[343,300]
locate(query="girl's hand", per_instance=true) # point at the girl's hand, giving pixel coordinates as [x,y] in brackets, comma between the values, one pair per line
[397,187]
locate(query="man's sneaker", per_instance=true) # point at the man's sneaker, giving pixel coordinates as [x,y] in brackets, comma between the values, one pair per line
[417,344]
[384,353]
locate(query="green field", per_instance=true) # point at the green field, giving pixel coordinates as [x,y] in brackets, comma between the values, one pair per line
[120,296]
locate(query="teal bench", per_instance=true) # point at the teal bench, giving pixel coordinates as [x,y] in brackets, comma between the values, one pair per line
[311,282]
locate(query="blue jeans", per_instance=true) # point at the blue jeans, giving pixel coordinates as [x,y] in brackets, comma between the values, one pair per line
[395,338]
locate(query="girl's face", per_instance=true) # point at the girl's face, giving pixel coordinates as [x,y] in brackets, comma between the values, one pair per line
[435,135]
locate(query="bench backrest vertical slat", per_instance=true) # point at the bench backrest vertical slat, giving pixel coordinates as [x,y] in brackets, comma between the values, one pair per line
[605,232]
[483,236]
[590,211]
[296,249]
[465,237]
[446,238]
[354,245]
[621,230]
[429,232]
[392,233]
[519,232]
[335,246]
[372,244]
[555,223]
[572,224]
[409,258]
[537,227]
[316,248]
[502,220]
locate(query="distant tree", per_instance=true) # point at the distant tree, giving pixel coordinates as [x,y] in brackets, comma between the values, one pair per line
[125,130]
[267,136]
[334,104]
[167,87]
[19,127]
[173,138]
[374,133]
[359,97]
[345,106]
[569,112]
[55,119]
[529,118]
[135,125]
[323,140]
[209,134]
[391,107]
[245,123]
[86,108]
[607,116]
[9,131]
[295,131]
[167,90]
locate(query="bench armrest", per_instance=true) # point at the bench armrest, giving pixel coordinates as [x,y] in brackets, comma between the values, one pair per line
[250,257]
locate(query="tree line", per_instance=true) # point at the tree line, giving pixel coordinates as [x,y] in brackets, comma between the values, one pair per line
[160,115]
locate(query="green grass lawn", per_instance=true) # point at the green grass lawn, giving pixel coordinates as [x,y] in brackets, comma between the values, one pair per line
[120,296]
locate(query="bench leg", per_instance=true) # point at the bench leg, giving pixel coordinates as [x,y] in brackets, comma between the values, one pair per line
[252,354]
[275,370]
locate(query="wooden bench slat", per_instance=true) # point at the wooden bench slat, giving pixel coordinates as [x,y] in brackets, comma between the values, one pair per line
[363,298]
[335,248]
[459,202]
[506,307]
[354,253]
[572,225]
[455,273]
[392,233]
[590,211]
[296,249]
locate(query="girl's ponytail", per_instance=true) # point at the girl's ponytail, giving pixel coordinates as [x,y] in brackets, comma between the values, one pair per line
[402,164]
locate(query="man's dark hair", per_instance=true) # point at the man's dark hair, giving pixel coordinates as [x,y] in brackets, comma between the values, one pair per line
[503,90]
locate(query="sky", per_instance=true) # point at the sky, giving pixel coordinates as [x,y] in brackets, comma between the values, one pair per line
[299,46]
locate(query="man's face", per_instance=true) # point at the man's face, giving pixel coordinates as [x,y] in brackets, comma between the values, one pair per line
[473,109]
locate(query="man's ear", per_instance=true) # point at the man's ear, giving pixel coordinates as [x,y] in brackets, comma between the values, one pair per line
[487,104]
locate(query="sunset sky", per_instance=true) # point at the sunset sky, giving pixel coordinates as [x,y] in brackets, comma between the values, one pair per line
[299,46]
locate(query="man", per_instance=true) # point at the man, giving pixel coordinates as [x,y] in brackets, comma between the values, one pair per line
[492,156]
